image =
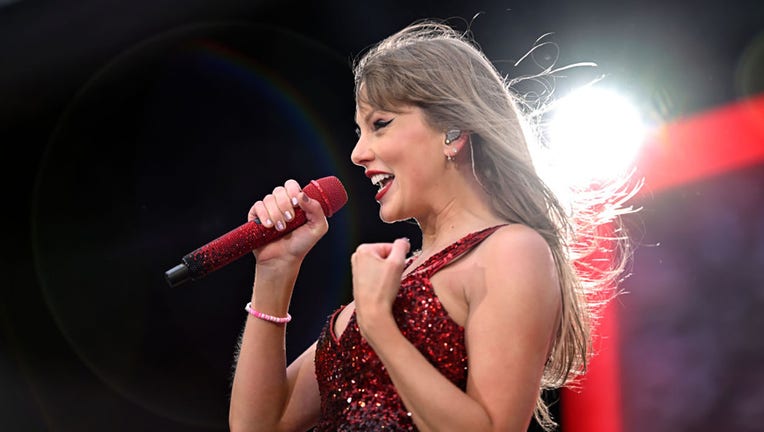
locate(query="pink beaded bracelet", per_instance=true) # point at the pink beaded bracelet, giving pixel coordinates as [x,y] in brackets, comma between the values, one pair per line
[266,317]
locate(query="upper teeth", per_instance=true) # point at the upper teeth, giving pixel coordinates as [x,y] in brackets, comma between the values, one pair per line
[377,179]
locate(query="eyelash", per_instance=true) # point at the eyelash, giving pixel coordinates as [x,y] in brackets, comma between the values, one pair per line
[377,125]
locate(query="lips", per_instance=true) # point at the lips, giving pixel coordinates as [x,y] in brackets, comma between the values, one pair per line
[381,179]
[385,187]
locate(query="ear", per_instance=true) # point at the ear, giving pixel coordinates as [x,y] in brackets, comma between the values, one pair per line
[454,142]
[452,135]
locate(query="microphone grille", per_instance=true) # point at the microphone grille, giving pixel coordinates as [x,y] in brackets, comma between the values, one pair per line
[329,192]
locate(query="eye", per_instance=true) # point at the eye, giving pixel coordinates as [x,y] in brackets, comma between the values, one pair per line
[358,132]
[379,124]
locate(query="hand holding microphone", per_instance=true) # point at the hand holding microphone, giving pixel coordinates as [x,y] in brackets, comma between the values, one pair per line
[281,210]
[259,232]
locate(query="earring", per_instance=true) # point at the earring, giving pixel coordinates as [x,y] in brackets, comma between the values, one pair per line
[450,157]
[452,135]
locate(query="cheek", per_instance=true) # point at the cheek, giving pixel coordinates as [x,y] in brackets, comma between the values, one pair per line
[420,149]
[416,157]
[419,179]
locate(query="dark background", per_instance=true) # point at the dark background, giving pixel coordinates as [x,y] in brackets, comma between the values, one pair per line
[134,132]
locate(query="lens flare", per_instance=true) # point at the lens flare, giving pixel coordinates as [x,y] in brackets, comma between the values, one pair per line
[594,134]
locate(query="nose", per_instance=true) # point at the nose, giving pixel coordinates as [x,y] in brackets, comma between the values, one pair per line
[361,154]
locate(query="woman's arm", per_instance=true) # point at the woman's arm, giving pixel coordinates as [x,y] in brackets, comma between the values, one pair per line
[266,395]
[513,310]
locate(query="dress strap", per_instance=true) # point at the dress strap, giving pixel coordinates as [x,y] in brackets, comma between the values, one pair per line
[454,251]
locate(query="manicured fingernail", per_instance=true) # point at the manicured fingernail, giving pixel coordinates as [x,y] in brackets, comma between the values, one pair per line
[268,222]
[288,215]
[294,201]
[305,198]
[279,225]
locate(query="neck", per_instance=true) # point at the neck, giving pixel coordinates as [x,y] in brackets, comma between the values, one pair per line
[465,208]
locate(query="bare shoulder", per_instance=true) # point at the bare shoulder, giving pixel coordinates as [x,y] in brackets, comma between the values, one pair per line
[517,256]
[516,243]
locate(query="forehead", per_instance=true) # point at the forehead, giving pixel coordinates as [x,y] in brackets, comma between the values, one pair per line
[365,107]
[363,110]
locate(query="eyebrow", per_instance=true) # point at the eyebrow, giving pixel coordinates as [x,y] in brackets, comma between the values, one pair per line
[366,117]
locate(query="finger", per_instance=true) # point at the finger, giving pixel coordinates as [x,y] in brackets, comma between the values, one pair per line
[377,250]
[293,190]
[315,219]
[274,213]
[285,210]
[398,250]
[312,208]
[259,212]
[252,214]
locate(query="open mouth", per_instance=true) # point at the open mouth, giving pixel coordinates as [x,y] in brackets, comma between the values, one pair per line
[383,182]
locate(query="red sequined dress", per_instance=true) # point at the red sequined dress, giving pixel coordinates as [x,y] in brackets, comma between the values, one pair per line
[356,391]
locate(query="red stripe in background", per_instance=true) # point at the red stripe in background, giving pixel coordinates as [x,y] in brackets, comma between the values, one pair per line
[687,150]
[596,406]
[704,145]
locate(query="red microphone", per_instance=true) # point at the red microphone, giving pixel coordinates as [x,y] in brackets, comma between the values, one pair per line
[238,242]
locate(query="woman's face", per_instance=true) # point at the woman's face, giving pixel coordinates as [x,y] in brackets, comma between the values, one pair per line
[403,156]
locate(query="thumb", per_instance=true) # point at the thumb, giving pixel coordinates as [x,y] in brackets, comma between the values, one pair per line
[311,207]
[399,250]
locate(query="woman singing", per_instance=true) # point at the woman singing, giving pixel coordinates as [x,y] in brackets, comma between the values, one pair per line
[462,335]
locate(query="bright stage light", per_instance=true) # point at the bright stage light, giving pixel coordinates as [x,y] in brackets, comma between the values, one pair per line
[594,135]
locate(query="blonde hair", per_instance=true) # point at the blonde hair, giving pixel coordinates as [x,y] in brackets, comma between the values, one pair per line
[430,65]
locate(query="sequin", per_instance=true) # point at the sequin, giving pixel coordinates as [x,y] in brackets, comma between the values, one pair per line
[356,391]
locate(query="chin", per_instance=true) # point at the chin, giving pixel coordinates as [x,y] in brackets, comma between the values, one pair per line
[390,216]
[385,218]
